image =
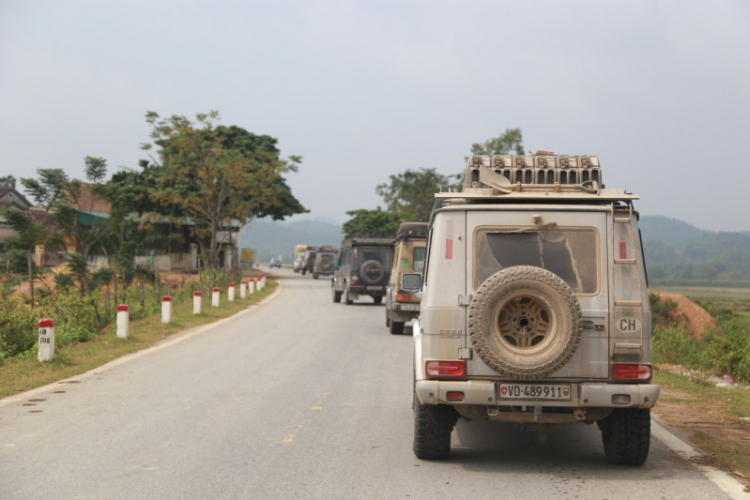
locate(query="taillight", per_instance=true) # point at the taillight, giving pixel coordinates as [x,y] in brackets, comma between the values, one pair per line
[443,368]
[355,280]
[403,297]
[454,396]
[631,371]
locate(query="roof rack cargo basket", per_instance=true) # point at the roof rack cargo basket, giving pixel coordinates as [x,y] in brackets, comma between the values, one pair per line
[507,173]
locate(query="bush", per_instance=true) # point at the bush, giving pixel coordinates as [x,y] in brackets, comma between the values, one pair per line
[729,349]
[676,346]
[18,328]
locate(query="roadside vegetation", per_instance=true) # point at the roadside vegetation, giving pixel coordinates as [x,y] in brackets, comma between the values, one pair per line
[85,332]
[705,378]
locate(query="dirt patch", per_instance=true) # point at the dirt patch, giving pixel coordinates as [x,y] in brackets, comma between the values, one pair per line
[703,423]
[697,320]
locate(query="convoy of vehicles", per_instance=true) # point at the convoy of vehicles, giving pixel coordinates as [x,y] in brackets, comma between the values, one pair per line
[529,299]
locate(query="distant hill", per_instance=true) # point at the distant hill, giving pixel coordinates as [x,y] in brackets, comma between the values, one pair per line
[678,251]
[668,231]
[273,238]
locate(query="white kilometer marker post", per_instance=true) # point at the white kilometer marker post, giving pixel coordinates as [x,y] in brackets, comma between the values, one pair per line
[230,292]
[46,340]
[123,318]
[197,297]
[251,285]
[215,297]
[166,309]
[242,289]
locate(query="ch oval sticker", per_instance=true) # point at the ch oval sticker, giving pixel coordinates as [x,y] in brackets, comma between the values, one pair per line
[628,325]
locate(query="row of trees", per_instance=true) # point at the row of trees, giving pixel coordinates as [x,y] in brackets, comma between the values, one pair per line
[409,196]
[198,175]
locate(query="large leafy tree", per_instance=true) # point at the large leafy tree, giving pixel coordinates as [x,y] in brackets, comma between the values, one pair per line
[215,175]
[373,223]
[509,142]
[412,192]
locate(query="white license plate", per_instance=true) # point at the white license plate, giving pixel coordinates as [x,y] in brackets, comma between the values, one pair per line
[408,307]
[374,287]
[535,391]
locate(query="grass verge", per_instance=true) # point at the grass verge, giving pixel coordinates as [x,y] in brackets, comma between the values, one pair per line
[26,372]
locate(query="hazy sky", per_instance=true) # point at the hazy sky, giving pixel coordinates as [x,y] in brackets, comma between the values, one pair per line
[660,90]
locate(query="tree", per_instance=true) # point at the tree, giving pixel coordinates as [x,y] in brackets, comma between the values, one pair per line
[8,181]
[413,192]
[510,142]
[28,235]
[373,223]
[58,195]
[217,176]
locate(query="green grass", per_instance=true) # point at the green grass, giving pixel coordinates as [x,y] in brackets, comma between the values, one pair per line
[26,372]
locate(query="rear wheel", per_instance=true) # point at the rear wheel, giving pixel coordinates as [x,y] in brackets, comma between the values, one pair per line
[433,425]
[378,300]
[347,300]
[336,296]
[315,276]
[397,327]
[626,435]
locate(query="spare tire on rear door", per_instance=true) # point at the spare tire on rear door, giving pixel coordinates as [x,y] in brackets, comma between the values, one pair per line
[525,321]
[371,272]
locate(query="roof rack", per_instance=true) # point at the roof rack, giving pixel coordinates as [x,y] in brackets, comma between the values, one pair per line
[542,171]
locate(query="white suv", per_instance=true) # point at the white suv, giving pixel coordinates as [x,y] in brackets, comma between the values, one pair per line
[534,306]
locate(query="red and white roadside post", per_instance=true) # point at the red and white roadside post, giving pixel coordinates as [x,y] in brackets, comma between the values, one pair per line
[251,285]
[197,299]
[242,289]
[215,297]
[230,292]
[166,309]
[123,319]
[46,340]
[262,282]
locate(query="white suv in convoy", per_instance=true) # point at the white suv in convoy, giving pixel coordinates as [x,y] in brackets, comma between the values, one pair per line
[534,306]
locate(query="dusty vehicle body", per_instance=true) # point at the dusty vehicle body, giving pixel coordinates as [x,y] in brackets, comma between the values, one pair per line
[325,262]
[308,259]
[299,259]
[534,306]
[409,250]
[364,266]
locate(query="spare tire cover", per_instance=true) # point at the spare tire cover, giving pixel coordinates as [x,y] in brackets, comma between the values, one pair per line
[371,272]
[525,321]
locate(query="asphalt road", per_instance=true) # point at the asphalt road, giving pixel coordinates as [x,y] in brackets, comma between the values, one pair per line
[297,398]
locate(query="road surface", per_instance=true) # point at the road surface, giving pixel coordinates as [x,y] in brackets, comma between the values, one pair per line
[297,398]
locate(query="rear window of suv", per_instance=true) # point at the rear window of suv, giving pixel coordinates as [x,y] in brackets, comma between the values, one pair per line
[570,253]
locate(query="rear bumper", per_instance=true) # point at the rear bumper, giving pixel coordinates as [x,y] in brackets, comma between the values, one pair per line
[582,395]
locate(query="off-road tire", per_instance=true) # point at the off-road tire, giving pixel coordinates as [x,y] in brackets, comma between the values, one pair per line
[433,425]
[315,276]
[303,271]
[371,272]
[378,300]
[335,295]
[387,318]
[346,298]
[626,435]
[525,322]
[397,327]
